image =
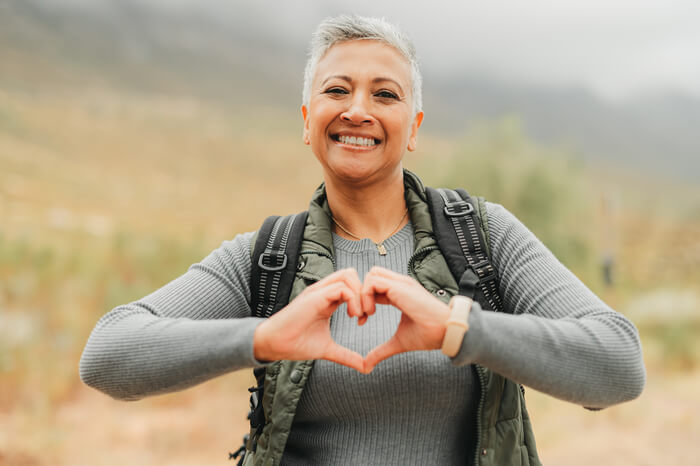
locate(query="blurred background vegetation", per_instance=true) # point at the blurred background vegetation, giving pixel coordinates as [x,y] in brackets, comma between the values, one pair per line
[132,139]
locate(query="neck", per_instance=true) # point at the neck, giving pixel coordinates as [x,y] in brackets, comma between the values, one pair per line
[372,211]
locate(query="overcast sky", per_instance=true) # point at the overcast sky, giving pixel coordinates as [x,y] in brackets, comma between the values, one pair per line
[615,48]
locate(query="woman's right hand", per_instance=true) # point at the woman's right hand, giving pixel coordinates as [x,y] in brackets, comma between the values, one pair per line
[301,330]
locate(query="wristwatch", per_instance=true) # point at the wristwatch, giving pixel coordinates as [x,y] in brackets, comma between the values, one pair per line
[457,324]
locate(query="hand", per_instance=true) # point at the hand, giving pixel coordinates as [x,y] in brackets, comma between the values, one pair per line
[301,330]
[422,324]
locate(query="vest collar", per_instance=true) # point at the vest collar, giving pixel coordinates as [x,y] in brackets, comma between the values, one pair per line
[318,233]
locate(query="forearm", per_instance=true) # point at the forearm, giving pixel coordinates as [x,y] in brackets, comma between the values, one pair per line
[556,335]
[132,354]
[594,362]
[192,329]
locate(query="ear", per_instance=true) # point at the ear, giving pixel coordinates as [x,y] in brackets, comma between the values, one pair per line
[412,139]
[305,114]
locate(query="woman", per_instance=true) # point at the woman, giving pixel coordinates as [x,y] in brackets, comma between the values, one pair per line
[362,111]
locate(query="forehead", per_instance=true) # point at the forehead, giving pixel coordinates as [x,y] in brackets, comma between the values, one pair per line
[364,59]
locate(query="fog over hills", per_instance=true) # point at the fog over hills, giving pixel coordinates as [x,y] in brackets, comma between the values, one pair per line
[243,54]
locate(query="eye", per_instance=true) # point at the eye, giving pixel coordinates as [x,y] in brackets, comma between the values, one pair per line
[384,94]
[335,91]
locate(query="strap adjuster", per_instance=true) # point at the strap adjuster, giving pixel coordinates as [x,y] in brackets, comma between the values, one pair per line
[458,208]
[484,270]
[274,258]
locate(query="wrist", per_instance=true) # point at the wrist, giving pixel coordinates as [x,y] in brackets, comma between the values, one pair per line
[261,347]
[443,317]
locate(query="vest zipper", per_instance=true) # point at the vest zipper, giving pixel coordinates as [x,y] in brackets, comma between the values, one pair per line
[480,371]
[415,255]
[479,410]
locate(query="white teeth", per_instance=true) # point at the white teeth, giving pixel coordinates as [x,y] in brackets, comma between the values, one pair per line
[356,141]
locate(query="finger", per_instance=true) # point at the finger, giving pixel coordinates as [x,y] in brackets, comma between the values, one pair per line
[332,296]
[341,355]
[350,278]
[386,350]
[338,293]
[355,310]
[367,298]
[348,275]
[380,290]
[390,274]
[354,304]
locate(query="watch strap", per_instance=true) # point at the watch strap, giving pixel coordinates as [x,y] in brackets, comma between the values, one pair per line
[456,325]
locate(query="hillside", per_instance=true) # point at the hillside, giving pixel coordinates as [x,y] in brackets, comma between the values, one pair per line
[243,57]
[134,140]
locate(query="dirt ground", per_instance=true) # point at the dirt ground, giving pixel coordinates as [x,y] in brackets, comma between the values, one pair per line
[661,427]
[201,425]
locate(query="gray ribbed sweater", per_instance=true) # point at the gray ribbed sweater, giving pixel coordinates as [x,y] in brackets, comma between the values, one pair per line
[417,407]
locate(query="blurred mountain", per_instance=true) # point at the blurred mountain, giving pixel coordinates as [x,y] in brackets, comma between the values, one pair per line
[657,133]
[241,56]
[143,47]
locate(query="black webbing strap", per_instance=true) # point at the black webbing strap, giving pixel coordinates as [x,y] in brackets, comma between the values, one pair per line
[459,235]
[274,262]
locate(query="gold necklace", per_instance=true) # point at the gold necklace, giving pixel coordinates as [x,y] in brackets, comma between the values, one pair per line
[380,245]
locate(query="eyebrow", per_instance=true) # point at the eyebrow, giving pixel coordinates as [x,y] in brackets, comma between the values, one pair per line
[374,81]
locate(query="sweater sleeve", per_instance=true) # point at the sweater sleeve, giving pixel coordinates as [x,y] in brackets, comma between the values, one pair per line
[192,329]
[557,336]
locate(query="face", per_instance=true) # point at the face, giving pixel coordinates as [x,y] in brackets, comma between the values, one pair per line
[359,121]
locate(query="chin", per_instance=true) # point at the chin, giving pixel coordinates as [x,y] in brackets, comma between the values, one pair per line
[359,174]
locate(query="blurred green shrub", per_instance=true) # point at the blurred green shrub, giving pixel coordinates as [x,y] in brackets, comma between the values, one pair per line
[53,292]
[545,187]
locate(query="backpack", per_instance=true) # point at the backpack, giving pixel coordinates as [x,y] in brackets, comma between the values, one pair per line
[461,230]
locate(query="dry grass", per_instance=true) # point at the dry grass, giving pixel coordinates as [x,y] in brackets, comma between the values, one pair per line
[661,427]
[201,425]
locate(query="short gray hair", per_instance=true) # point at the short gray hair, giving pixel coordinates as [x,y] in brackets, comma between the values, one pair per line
[345,28]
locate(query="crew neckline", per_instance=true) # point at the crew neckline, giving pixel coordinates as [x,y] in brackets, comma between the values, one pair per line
[366,244]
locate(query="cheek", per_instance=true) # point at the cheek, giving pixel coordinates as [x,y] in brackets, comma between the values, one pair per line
[396,124]
[319,122]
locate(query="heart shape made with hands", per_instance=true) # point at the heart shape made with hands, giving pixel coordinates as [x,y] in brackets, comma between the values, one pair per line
[301,330]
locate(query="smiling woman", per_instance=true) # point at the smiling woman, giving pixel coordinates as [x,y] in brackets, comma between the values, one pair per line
[379,257]
[359,119]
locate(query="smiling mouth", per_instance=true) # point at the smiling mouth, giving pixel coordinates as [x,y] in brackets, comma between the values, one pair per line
[358,141]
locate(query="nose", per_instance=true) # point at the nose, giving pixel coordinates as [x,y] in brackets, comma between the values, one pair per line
[358,112]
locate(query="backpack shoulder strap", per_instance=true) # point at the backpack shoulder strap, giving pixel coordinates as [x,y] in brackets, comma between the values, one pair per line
[459,227]
[274,262]
[274,256]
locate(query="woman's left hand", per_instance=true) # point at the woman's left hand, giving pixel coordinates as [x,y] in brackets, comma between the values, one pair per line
[422,324]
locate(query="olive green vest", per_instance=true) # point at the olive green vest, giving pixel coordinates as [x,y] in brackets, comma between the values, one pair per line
[505,435]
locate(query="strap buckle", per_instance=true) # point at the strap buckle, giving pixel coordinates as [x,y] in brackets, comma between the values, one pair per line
[484,270]
[274,257]
[458,208]
[256,415]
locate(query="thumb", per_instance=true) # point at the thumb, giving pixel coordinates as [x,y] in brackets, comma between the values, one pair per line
[384,351]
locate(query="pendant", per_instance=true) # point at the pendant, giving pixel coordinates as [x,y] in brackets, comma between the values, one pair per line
[381,249]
